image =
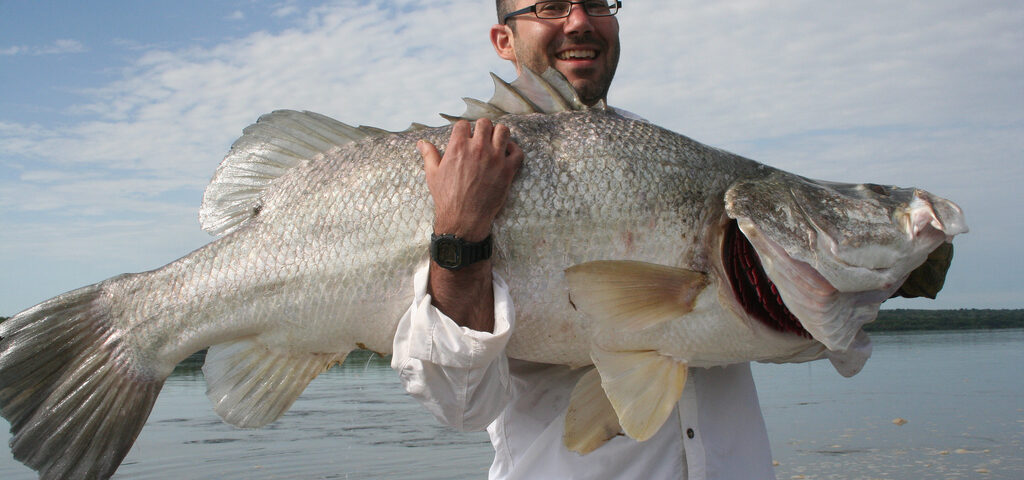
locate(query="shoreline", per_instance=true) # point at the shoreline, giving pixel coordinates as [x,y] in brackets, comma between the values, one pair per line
[907,320]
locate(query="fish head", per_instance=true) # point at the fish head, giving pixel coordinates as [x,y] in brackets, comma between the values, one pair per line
[820,257]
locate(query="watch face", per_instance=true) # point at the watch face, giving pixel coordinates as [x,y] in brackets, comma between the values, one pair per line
[447,252]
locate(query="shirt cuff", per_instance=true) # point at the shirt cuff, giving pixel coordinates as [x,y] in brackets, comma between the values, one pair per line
[434,337]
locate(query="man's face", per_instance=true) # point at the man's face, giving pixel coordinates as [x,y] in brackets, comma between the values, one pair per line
[583,48]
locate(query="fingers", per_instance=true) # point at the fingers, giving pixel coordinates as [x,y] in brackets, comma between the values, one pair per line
[499,139]
[461,129]
[484,132]
[484,129]
[514,154]
[431,157]
[502,142]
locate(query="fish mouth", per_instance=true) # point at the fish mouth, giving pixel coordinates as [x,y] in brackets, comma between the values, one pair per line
[753,290]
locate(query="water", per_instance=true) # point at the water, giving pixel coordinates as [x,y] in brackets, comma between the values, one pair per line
[962,394]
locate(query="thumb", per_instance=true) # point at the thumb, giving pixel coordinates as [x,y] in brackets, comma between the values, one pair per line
[431,157]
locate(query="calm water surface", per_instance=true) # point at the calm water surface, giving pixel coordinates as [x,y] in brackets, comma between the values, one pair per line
[962,394]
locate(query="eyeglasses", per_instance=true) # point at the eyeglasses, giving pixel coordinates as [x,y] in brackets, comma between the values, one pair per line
[548,10]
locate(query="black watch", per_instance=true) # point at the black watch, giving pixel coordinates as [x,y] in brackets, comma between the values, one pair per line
[453,253]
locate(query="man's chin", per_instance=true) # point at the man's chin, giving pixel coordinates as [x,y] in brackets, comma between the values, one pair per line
[586,80]
[590,91]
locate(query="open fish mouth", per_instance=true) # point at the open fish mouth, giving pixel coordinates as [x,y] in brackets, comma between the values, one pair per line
[754,291]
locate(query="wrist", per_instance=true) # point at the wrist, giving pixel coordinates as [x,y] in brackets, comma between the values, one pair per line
[469,234]
[455,253]
[466,227]
[466,296]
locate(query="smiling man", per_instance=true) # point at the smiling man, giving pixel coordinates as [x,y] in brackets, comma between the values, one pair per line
[450,346]
[584,48]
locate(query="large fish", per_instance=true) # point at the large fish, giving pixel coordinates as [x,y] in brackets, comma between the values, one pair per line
[625,246]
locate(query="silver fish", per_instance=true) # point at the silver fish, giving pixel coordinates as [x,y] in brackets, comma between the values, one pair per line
[626,246]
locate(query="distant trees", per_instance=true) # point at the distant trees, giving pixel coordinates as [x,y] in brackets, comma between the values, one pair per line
[899,320]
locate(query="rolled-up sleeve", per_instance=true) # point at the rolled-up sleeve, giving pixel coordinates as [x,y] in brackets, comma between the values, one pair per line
[459,374]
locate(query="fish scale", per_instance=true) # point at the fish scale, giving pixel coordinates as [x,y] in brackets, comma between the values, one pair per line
[613,243]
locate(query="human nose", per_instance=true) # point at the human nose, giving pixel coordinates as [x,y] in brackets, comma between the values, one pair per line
[578,20]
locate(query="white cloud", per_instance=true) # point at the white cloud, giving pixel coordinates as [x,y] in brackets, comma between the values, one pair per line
[924,93]
[58,46]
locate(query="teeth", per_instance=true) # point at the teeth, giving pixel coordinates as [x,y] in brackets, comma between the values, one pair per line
[571,54]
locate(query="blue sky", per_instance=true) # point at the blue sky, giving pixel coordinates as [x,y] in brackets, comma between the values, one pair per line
[114,114]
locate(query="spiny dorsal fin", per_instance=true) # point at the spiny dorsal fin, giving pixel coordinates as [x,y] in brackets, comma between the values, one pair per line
[530,93]
[267,149]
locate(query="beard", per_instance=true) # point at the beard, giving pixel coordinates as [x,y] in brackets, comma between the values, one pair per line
[593,86]
[591,83]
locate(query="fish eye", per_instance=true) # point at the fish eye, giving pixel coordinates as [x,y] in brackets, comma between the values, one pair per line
[877,189]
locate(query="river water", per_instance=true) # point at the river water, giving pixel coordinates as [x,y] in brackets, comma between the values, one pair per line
[961,394]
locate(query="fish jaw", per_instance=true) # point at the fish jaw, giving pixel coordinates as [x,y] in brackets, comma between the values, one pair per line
[834,252]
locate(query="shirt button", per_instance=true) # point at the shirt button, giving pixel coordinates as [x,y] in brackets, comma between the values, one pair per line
[689,433]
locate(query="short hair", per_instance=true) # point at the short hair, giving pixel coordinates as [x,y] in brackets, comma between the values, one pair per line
[504,7]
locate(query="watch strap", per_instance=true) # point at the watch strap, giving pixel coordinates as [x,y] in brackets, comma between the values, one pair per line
[453,252]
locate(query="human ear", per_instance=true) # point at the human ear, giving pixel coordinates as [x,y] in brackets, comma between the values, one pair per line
[501,39]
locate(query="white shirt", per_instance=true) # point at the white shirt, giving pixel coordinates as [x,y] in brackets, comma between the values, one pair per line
[463,377]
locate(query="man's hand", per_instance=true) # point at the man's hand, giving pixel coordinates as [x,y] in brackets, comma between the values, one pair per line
[470,183]
[469,186]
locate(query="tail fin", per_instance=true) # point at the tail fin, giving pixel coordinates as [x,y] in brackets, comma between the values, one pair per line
[69,388]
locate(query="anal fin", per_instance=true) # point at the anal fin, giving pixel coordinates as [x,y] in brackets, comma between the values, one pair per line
[642,386]
[250,385]
[590,420]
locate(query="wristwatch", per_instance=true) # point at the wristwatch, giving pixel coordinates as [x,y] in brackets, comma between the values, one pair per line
[453,253]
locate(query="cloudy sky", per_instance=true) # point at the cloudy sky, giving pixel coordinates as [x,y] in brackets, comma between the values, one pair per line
[114,114]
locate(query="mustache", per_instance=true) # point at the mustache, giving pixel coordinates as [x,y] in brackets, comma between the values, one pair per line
[578,39]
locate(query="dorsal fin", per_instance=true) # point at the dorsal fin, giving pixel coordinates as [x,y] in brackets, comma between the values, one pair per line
[284,139]
[530,93]
[277,142]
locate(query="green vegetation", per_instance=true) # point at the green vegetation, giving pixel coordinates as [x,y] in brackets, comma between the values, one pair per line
[901,320]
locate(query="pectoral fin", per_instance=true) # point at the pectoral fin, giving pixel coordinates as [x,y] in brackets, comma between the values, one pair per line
[633,295]
[590,420]
[643,388]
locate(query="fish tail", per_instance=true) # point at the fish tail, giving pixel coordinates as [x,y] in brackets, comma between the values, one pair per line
[73,392]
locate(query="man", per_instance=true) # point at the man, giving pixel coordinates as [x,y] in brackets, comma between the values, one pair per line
[449,349]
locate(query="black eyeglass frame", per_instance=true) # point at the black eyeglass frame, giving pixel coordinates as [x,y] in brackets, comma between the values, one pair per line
[533,9]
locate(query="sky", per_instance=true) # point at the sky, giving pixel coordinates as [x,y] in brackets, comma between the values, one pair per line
[115,114]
